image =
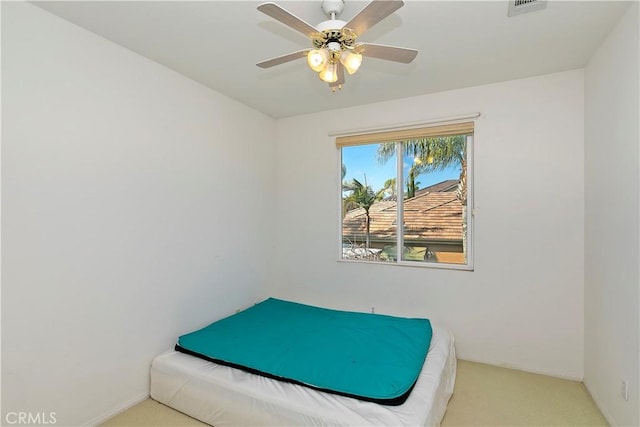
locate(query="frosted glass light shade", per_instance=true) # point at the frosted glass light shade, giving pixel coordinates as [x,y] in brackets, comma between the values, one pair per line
[351,61]
[317,59]
[329,74]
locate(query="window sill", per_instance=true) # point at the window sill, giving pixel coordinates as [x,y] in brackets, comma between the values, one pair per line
[440,265]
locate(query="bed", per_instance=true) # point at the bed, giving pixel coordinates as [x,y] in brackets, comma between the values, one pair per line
[223,395]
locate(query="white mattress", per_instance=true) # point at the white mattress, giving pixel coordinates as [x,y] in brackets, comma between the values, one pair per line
[223,396]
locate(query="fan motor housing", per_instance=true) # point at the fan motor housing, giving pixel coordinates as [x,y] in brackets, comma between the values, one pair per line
[332,24]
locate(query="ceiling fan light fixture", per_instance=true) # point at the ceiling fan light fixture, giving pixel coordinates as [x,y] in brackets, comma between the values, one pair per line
[317,59]
[351,61]
[330,73]
[334,41]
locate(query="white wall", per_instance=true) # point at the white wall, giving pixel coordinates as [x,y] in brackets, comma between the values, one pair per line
[612,279]
[118,174]
[133,203]
[523,305]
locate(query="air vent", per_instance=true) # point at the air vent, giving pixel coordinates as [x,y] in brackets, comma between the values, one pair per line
[517,7]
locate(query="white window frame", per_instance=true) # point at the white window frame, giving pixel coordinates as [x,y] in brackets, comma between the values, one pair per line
[469,265]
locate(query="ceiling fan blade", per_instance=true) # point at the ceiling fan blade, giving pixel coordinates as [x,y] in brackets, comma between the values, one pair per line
[373,13]
[282,59]
[287,18]
[340,72]
[389,53]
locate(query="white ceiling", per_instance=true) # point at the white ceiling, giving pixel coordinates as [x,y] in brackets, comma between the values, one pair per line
[461,44]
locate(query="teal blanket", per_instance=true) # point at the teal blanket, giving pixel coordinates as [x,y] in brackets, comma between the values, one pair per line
[367,356]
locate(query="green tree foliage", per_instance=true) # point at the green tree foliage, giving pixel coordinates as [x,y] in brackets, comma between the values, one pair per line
[362,196]
[434,155]
[412,184]
[430,154]
[390,187]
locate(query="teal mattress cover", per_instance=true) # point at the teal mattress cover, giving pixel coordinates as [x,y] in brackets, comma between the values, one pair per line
[372,357]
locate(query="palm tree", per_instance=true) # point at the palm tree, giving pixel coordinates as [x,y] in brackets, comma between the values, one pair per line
[348,202]
[363,196]
[412,184]
[390,187]
[433,155]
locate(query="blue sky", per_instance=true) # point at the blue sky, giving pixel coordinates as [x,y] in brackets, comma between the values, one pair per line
[361,160]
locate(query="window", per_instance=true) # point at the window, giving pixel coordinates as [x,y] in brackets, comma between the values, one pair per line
[420,178]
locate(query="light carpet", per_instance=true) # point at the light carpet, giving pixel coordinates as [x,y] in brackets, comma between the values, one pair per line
[484,395]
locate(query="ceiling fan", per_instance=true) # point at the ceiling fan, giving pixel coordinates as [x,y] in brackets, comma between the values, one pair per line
[335,48]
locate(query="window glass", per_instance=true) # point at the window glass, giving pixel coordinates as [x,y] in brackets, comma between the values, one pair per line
[368,203]
[431,176]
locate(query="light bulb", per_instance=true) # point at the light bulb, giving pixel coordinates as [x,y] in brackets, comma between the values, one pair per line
[351,61]
[329,74]
[317,59]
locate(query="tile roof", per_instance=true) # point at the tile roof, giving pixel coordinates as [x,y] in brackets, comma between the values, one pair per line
[434,216]
[448,185]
